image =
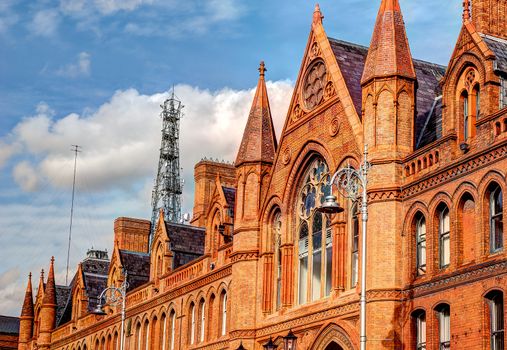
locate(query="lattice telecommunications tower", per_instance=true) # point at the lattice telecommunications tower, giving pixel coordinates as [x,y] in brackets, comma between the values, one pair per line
[168,186]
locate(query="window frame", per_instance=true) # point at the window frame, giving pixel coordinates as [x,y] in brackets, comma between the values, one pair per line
[495,301]
[444,327]
[493,218]
[421,244]
[444,237]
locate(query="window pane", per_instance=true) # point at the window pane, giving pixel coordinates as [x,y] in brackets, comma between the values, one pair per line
[421,245]
[355,271]
[329,269]
[303,275]
[316,275]
[446,250]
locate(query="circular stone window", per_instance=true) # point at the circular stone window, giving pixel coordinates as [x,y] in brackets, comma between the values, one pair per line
[314,83]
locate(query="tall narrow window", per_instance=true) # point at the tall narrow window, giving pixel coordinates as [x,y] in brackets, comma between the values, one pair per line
[444,237]
[496,219]
[138,337]
[329,256]
[146,336]
[420,232]
[503,92]
[312,226]
[224,314]
[496,320]
[173,330]
[420,330]
[163,325]
[355,247]
[317,255]
[444,327]
[477,92]
[192,323]
[203,321]
[303,261]
[466,117]
[277,240]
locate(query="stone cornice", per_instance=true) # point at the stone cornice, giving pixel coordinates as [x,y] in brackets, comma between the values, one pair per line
[244,255]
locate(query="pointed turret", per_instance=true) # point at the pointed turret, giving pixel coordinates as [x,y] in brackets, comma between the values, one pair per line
[388,85]
[389,52]
[27,316]
[40,288]
[259,140]
[48,310]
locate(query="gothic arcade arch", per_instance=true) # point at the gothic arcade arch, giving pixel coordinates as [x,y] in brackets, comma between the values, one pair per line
[333,337]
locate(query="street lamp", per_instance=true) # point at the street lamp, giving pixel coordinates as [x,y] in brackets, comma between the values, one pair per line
[270,345]
[290,341]
[113,296]
[351,183]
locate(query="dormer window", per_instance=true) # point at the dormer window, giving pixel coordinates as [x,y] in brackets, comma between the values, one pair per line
[469,104]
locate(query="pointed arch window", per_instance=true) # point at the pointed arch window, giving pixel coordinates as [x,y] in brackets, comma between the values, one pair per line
[224,314]
[314,234]
[192,323]
[172,319]
[163,325]
[420,233]
[202,326]
[466,116]
[277,240]
[444,229]
[496,219]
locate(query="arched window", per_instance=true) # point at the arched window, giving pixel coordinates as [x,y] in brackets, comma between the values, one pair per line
[477,100]
[420,234]
[496,219]
[277,240]
[419,318]
[444,232]
[466,116]
[202,325]
[223,327]
[115,341]
[312,247]
[355,247]
[146,333]
[444,326]
[192,324]
[496,319]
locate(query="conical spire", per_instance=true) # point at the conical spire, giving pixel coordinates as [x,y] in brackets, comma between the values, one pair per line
[27,310]
[259,141]
[50,291]
[40,288]
[389,52]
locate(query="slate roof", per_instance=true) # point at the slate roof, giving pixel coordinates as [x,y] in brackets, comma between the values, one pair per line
[187,242]
[499,48]
[137,265]
[95,273]
[62,299]
[351,58]
[230,196]
[9,325]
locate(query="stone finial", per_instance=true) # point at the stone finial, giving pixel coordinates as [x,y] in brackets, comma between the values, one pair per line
[466,11]
[262,69]
[317,15]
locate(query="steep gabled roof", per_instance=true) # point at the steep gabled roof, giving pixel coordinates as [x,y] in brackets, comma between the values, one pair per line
[499,48]
[259,140]
[187,242]
[137,265]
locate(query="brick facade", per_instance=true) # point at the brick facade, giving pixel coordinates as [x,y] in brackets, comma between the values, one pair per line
[258,260]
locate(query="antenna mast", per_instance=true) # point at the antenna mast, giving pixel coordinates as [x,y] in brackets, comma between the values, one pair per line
[75,149]
[166,194]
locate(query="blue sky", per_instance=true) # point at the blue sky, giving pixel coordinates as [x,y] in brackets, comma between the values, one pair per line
[93,72]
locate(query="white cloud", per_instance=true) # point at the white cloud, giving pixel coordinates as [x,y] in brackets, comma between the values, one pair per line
[111,6]
[116,170]
[45,23]
[25,176]
[7,16]
[80,68]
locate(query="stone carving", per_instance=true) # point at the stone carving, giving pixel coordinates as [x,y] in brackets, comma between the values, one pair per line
[329,91]
[286,156]
[297,113]
[314,50]
[314,83]
[334,127]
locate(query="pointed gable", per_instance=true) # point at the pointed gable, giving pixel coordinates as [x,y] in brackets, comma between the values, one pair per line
[259,140]
[389,52]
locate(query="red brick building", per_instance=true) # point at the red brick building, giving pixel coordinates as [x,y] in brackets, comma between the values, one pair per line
[258,260]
